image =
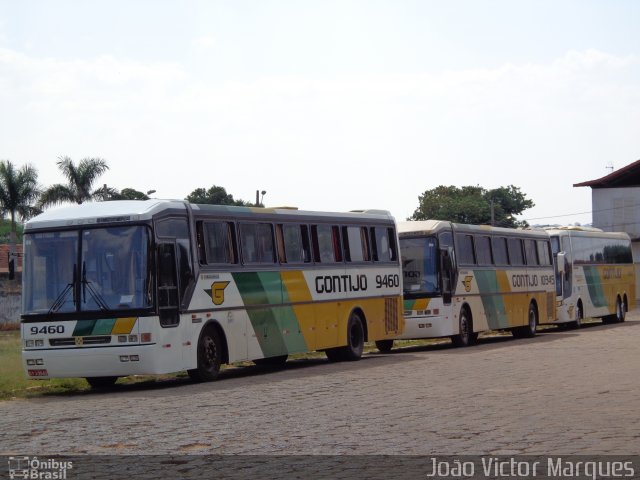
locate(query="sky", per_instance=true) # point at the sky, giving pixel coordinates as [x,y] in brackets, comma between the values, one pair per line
[327,104]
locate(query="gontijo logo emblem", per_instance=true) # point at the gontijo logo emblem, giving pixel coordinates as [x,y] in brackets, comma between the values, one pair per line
[467,283]
[217,292]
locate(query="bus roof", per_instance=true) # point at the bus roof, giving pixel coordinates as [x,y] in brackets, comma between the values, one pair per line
[585,232]
[431,227]
[140,210]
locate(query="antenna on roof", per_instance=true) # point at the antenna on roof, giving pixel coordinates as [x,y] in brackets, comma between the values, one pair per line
[610,166]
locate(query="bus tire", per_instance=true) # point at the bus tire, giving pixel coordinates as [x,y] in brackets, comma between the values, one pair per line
[355,342]
[209,356]
[355,338]
[98,383]
[384,346]
[530,329]
[466,336]
[334,354]
[620,312]
[273,362]
[577,323]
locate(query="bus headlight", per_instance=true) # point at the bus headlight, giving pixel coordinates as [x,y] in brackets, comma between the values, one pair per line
[29,343]
[39,343]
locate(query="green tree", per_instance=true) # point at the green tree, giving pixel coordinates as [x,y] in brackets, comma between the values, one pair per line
[128,194]
[473,205]
[80,180]
[215,196]
[19,191]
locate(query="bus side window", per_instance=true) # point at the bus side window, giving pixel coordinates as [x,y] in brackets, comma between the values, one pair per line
[483,250]
[531,252]
[337,246]
[294,242]
[516,255]
[282,257]
[543,252]
[356,244]
[326,242]
[464,247]
[499,247]
[257,243]
[218,243]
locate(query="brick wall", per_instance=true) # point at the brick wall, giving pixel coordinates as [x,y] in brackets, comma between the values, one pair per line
[4,257]
[10,298]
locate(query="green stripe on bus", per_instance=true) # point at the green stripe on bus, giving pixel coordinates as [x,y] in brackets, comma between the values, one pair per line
[492,302]
[277,329]
[288,321]
[103,326]
[594,284]
[84,328]
[408,304]
[261,288]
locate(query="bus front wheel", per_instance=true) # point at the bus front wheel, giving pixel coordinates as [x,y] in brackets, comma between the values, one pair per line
[209,356]
[466,336]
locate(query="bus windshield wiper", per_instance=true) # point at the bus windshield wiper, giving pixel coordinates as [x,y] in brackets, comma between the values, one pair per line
[57,305]
[95,296]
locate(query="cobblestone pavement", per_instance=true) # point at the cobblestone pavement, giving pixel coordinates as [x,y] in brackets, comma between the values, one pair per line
[563,392]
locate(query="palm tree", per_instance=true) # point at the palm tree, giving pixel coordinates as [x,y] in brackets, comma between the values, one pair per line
[80,178]
[18,192]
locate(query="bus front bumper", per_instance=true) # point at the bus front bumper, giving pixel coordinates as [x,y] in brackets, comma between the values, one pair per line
[92,362]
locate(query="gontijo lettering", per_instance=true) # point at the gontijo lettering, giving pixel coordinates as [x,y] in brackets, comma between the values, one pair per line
[340,283]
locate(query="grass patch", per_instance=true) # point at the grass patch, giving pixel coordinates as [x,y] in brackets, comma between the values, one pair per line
[14,384]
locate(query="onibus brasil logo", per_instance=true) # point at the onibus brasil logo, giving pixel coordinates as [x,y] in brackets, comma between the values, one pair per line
[41,469]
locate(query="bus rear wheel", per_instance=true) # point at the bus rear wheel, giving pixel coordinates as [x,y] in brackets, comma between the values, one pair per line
[209,356]
[384,346]
[355,342]
[618,316]
[530,329]
[466,336]
[620,311]
[101,382]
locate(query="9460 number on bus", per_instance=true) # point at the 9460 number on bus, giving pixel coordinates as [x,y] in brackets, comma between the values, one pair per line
[47,330]
[387,281]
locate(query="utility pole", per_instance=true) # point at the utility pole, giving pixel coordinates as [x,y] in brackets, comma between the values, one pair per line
[493,214]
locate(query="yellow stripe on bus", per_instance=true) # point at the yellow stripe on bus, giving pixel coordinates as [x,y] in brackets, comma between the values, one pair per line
[296,286]
[123,325]
[421,304]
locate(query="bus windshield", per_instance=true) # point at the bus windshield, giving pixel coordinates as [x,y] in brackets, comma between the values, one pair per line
[420,266]
[98,269]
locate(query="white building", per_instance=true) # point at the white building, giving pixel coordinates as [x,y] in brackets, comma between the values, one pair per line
[615,202]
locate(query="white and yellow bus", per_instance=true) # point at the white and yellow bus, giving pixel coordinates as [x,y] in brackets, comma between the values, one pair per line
[460,280]
[595,275]
[149,287]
